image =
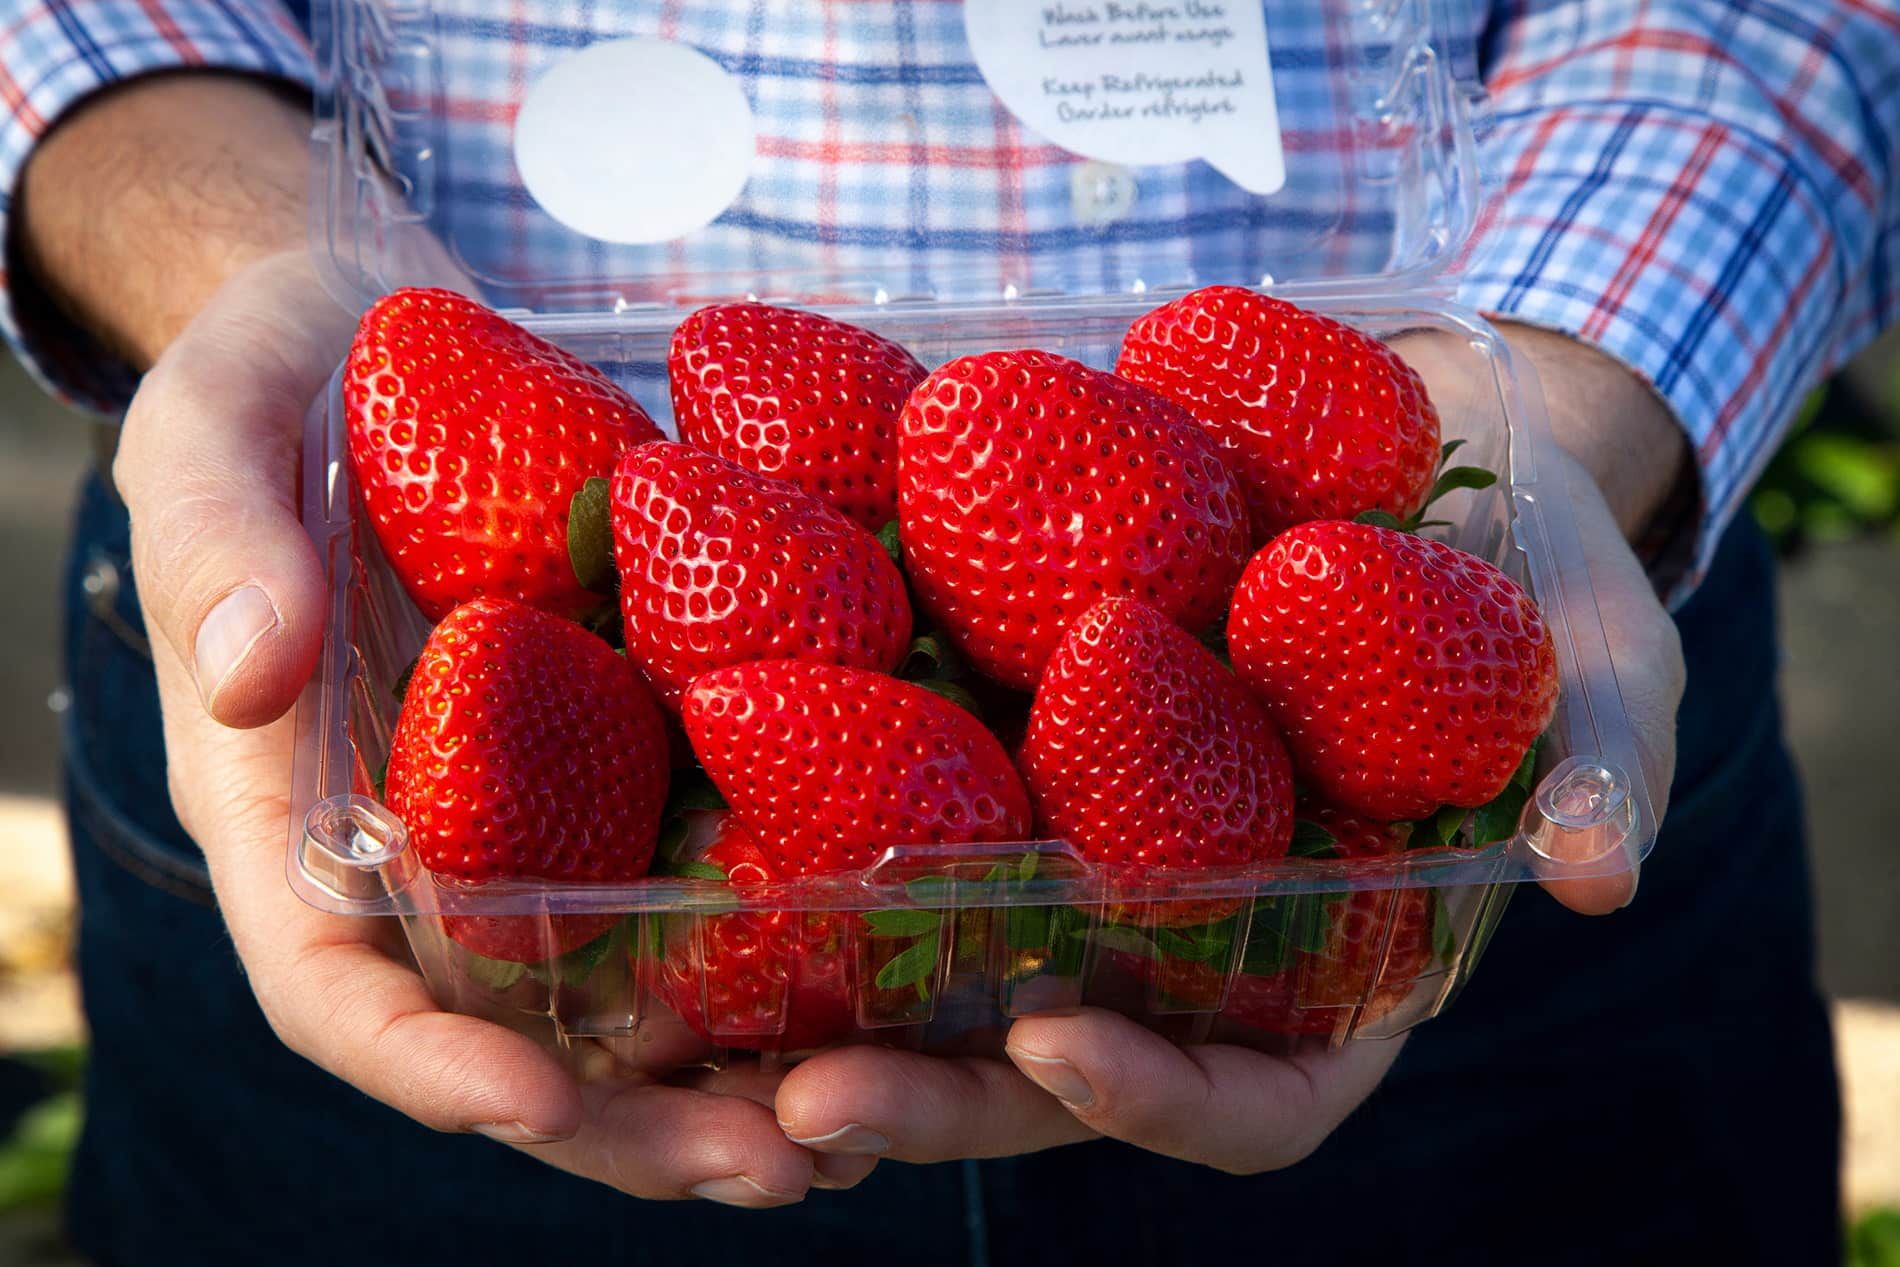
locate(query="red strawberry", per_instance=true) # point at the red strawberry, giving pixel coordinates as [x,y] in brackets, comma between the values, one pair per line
[469,438]
[828,766]
[1144,751]
[796,396]
[1406,675]
[1318,420]
[526,749]
[1318,963]
[1030,487]
[755,979]
[721,566]
[1377,942]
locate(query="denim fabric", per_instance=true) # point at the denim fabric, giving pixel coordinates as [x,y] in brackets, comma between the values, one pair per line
[1657,1086]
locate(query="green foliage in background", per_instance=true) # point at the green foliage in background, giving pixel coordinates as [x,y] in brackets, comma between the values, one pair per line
[35,1158]
[1838,474]
[1874,1241]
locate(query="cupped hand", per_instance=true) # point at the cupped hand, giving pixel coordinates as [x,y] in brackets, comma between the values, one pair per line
[1076,1076]
[1618,455]
[234,597]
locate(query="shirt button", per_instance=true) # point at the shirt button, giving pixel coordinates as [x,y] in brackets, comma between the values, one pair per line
[1102,193]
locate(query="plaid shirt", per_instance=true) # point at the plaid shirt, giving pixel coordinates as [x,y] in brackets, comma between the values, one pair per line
[1708,190]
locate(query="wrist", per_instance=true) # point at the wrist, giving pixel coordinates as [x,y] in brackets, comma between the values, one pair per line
[1620,431]
[148,197]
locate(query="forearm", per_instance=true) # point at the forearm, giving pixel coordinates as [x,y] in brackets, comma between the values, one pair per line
[1607,418]
[143,201]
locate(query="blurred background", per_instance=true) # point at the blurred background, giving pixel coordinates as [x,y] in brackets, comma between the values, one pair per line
[1831,499]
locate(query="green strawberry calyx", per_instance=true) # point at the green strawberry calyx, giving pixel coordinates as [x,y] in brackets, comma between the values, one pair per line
[1047,939]
[1495,820]
[571,969]
[590,536]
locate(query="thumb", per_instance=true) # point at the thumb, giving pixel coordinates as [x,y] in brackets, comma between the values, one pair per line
[208,466]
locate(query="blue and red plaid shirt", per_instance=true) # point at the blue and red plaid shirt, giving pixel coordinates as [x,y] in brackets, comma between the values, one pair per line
[1708,190]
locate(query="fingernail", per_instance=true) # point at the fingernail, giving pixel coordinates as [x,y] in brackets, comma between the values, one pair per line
[227,635]
[838,1173]
[741,1191]
[514,1133]
[849,1140]
[1058,1077]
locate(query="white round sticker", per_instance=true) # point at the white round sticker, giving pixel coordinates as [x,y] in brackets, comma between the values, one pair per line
[635,140]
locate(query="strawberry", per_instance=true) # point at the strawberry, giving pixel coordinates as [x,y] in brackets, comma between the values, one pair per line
[1144,751]
[721,566]
[758,978]
[1031,486]
[469,438]
[1318,420]
[1315,963]
[1375,944]
[526,749]
[1406,675]
[828,765]
[796,396]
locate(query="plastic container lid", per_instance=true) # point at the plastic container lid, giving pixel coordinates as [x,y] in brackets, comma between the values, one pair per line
[576,158]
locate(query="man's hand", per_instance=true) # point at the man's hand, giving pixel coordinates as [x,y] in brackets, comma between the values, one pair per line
[1077,1076]
[1623,456]
[234,596]
[1074,1077]
[167,217]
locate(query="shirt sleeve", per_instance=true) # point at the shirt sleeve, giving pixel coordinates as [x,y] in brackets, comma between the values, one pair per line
[1707,191]
[54,54]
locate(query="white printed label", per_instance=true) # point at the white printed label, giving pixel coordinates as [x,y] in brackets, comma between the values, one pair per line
[635,140]
[1138,83]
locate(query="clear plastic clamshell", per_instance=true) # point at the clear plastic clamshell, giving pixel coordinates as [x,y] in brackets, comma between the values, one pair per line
[928,183]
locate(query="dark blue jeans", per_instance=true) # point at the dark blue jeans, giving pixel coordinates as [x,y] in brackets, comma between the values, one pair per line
[1653,1087]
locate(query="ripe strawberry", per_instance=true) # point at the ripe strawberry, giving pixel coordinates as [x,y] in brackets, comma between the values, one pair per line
[1318,420]
[796,396]
[469,438]
[1376,945]
[526,749]
[828,766]
[721,566]
[1145,752]
[1030,487]
[755,979]
[1406,675]
[1314,963]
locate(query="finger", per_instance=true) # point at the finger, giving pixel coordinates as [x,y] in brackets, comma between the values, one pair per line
[1226,1107]
[333,995]
[743,1078]
[872,1101]
[346,1006]
[673,1143]
[208,466]
[747,1081]
[324,982]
